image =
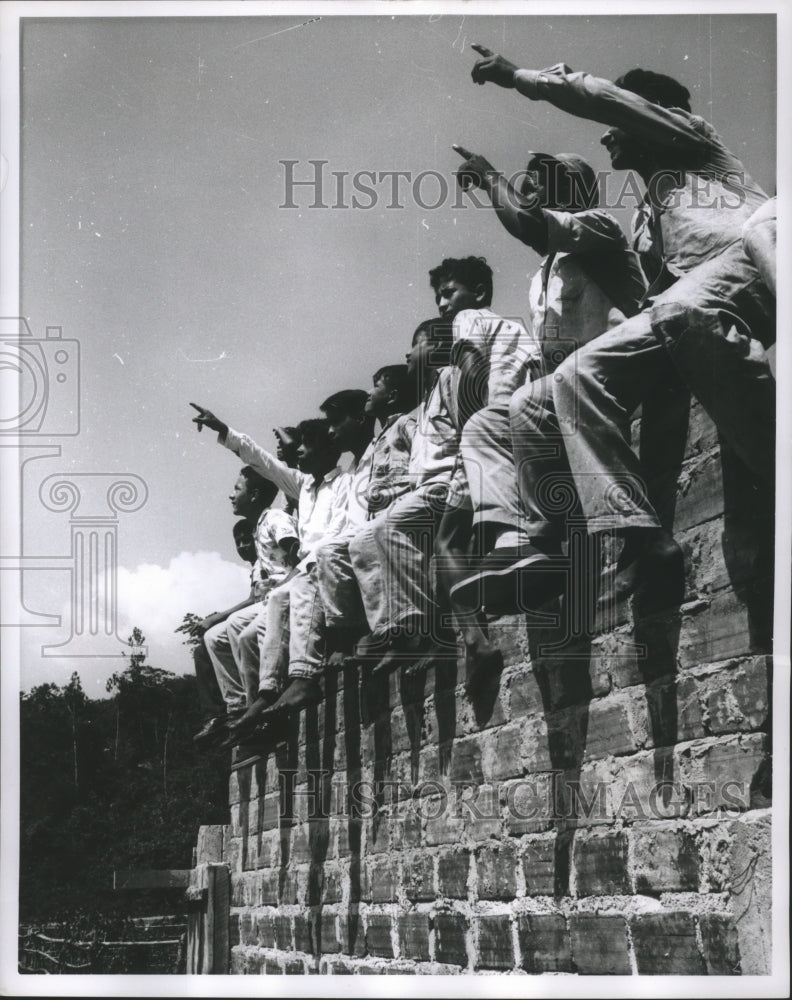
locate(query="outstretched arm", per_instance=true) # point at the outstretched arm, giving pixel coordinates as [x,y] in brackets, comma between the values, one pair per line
[285,478]
[591,97]
[524,221]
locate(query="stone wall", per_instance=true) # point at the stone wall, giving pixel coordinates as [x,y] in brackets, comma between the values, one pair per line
[601,808]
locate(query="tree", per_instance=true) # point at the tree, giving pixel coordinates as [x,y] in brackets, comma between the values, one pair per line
[74,702]
[144,700]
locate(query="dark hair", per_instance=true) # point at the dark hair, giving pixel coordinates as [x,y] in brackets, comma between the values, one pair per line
[241,526]
[315,433]
[267,491]
[438,330]
[347,403]
[468,271]
[396,377]
[293,432]
[656,88]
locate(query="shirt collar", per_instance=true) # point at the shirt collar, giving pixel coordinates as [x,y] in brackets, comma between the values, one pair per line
[332,474]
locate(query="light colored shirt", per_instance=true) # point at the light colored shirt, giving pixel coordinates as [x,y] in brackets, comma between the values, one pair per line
[436,441]
[271,566]
[572,296]
[321,507]
[382,474]
[507,349]
[683,220]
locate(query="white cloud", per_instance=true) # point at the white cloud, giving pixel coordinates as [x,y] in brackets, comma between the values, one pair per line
[152,597]
[156,598]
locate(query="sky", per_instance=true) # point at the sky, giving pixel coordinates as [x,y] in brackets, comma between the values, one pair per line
[153,232]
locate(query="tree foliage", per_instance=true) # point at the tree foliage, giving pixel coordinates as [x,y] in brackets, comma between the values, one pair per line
[110,783]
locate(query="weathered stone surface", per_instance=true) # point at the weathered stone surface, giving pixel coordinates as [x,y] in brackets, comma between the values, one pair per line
[544,942]
[665,944]
[450,939]
[601,865]
[452,874]
[497,872]
[414,936]
[599,944]
[495,947]
[564,819]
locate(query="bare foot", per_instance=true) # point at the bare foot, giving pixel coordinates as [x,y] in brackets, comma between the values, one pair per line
[370,647]
[301,692]
[246,724]
[403,648]
[338,660]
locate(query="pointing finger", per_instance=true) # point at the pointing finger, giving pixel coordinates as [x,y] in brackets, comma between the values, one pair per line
[195,406]
[483,51]
[462,151]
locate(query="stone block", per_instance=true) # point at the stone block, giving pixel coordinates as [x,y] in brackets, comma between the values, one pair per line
[414,936]
[664,860]
[378,935]
[452,874]
[665,944]
[539,866]
[544,942]
[720,944]
[600,864]
[303,934]
[419,878]
[497,872]
[384,881]
[495,945]
[451,931]
[599,944]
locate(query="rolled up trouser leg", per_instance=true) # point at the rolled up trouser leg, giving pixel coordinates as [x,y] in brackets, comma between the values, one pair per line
[273,640]
[220,649]
[307,626]
[391,556]
[338,586]
[246,646]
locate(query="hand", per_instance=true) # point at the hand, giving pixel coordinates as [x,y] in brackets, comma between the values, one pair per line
[211,620]
[493,69]
[206,418]
[475,171]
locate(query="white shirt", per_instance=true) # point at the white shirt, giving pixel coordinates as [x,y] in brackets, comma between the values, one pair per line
[508,349]
[436,441]
[568,307]
[382,474]
[321,508]
[271,567]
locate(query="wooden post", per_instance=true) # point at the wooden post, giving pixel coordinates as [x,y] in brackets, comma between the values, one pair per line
[207,888]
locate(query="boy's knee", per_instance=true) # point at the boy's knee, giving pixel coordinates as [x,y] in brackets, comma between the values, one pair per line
[519,401]
[214,636]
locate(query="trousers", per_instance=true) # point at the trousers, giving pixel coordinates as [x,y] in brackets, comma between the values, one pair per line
[291,632]
[236,676]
